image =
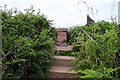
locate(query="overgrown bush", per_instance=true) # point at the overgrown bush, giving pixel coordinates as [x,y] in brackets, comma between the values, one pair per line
[27,43]
[97,47]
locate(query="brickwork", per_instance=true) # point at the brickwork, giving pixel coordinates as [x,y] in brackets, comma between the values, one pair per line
[61,36]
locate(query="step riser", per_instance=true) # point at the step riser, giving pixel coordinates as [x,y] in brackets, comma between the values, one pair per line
[61,75]
[61,67]
[61,62]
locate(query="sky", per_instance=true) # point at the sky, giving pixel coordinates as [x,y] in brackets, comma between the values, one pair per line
[68,13]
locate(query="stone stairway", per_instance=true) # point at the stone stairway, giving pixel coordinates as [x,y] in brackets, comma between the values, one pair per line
[61,68]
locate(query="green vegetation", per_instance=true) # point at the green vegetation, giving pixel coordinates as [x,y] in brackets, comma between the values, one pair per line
[27,44]
[98,50]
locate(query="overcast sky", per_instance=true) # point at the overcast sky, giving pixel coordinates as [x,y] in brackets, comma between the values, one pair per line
[66,13]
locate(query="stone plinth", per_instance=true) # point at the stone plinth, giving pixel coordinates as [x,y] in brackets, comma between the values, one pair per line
[62,36]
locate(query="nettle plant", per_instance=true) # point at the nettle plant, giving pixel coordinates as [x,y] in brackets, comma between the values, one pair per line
[97,50]
[28,41]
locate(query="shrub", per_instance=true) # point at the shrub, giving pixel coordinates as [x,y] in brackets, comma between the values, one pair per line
[97,49]
[28,42]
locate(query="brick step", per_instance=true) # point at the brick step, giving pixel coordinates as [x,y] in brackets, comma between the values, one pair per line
[61,72]
[63,61]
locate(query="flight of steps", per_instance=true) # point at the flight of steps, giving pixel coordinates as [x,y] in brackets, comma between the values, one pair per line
[61,68]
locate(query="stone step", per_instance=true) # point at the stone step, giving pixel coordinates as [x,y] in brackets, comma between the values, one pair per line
[64,48]
[61,72]
[63,61]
